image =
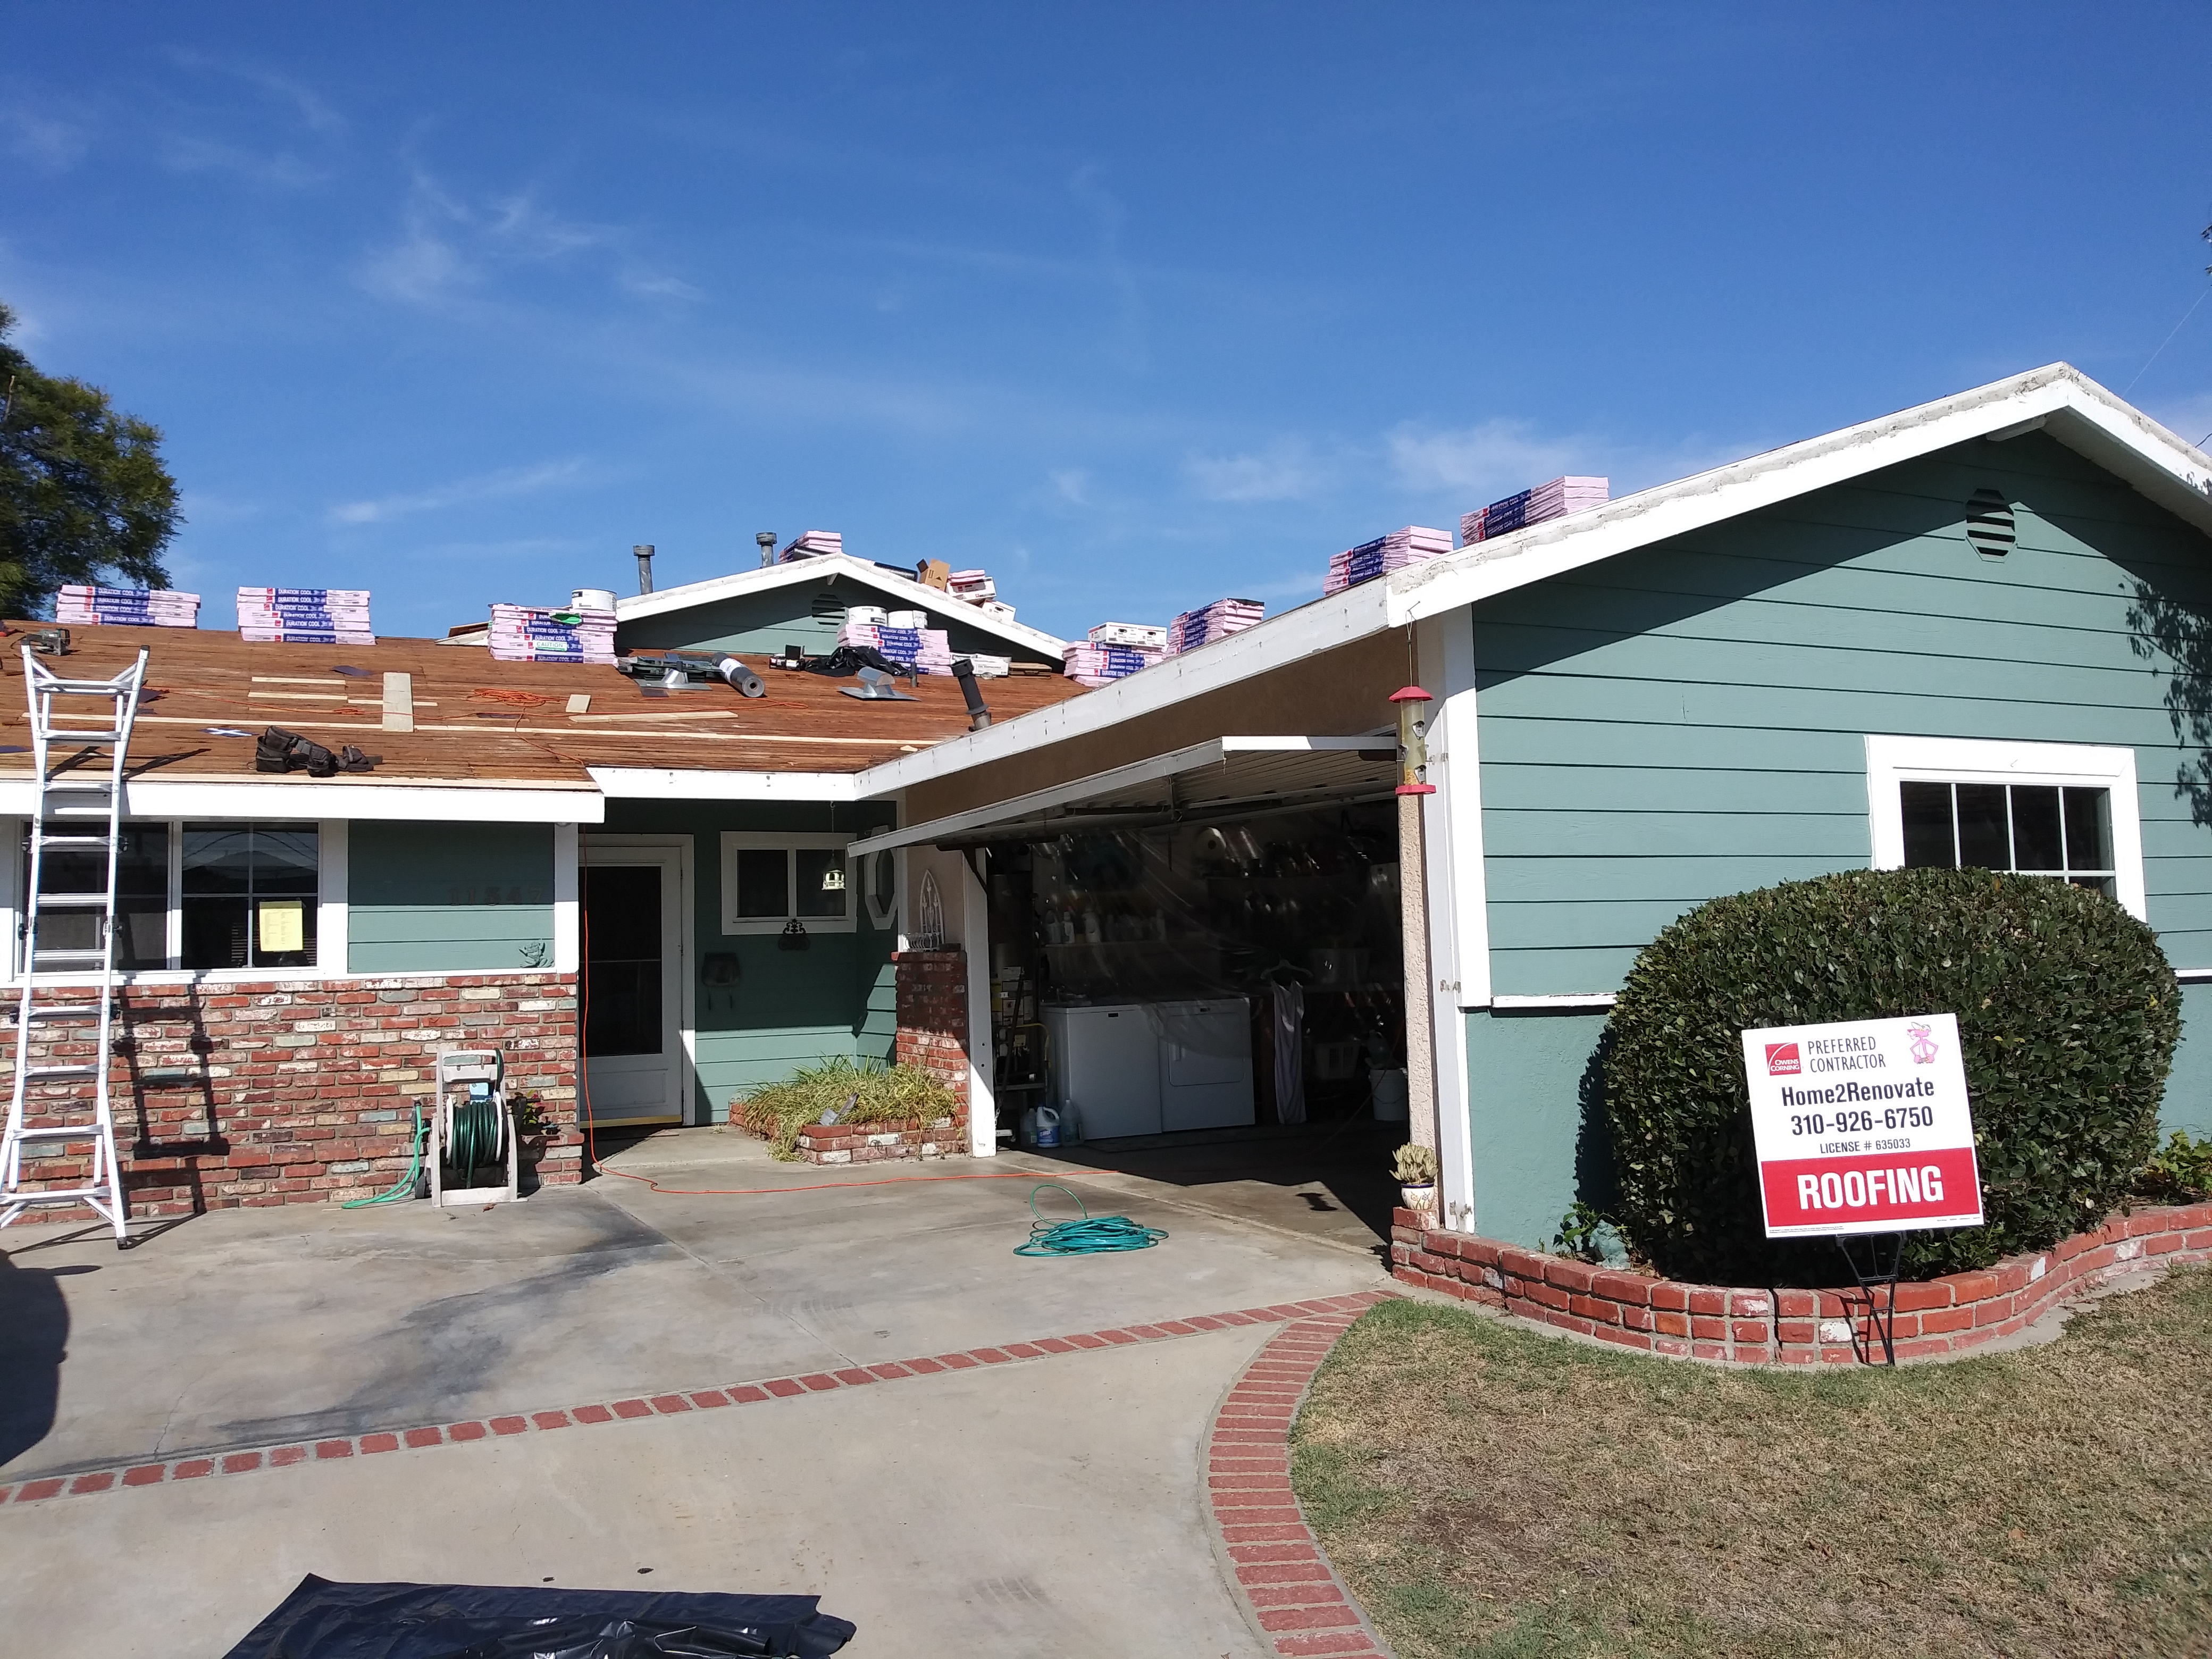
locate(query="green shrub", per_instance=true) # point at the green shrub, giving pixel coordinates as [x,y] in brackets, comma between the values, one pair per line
[2067,1015]
[858,1091]
[2180,1172]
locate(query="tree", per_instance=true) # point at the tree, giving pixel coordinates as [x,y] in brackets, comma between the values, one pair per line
[83,493]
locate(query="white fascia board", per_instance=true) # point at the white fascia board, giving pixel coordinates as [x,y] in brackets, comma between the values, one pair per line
[659,783]
[910,594]
[2075,409]
[334,797]
[1292,637]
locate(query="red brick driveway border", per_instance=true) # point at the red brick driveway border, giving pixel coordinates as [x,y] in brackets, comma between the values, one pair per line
[226,1461]
[1290,1594]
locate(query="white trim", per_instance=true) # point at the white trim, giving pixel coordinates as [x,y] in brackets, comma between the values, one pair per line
[662,783]
[333,880]
[786,841]
[303,799]
[2193,976]
[568,913]
[1570,999]
[673,851]
[1212,752]
[1454,951]
[982,1053]
[1892,760]
[910,594]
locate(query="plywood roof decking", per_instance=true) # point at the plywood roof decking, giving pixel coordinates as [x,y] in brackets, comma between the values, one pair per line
[207,678]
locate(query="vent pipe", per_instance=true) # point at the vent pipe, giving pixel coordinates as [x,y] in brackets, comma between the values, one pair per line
[767,540]
[978,715]
[643,551]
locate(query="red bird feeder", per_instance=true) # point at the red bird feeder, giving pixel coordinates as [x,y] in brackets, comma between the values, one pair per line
[1413,741]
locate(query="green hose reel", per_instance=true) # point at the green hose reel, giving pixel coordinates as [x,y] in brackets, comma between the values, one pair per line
[474,1159]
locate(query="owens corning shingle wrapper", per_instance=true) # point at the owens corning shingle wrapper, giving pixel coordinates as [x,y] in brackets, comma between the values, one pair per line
[973,585]
[1554,499]
[925,650]
[1089,663]
[1213,622]
[1414,544]
[305,615]
[1148,635]
[812,545]
[522,633]
[990,668]
[76,605]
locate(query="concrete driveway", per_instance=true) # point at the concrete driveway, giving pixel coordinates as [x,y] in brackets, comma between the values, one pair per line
[1049,1504]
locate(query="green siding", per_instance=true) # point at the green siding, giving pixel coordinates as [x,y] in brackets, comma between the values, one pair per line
[1687,721]
[448,897]
[765,621]
[789,1008]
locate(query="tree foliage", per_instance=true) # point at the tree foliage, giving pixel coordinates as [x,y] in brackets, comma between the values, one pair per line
[83,495]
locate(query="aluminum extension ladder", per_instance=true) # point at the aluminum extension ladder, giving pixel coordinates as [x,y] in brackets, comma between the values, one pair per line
[61,986]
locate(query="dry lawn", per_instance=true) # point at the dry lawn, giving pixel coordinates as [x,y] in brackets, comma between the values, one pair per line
[1490,1491]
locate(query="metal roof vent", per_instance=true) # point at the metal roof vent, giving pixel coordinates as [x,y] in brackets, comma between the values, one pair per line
[1988,524]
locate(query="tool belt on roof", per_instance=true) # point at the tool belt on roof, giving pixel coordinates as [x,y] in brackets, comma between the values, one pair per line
[279,751]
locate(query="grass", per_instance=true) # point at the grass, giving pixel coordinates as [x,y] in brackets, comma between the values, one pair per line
[859,1091]
[1488,1491]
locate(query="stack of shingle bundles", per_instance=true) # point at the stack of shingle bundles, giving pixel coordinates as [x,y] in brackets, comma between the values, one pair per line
[1090,663]
[1554,499]
[998,610]
[973,585]
[1213,622]
[76,605]
[1414,544]
[1147,637]
[306,615]
[990,668]
[926,650]
[812,545]
[522,633]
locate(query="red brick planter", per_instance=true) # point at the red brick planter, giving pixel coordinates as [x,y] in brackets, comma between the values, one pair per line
[1750,1326]
[874,1143]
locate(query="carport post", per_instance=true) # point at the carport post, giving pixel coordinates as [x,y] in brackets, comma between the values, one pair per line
[1412,703]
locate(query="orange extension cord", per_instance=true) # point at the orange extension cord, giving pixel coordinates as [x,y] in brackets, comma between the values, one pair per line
[591,1137]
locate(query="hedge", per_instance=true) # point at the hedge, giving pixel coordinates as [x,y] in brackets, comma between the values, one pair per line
[2068,1017]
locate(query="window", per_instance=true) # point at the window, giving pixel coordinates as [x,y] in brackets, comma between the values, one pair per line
[193,895]
[2066,810]
[881,880]
[769,881]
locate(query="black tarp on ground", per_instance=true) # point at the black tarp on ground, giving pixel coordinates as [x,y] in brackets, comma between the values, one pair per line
[324,1620]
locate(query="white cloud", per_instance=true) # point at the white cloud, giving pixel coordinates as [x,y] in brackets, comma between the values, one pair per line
[283,169]
[652,285]
[308,107]
[502,485]
[1072,483]
[1491,460]
[1286,471]
[51,142]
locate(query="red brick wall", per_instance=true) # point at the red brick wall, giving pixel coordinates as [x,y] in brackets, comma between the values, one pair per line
[302,1091]
[1934,1318]
[932,1021]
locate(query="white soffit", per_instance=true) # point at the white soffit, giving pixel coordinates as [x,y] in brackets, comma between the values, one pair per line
[298,796]
[909,593]
[660,783]
[1210,774]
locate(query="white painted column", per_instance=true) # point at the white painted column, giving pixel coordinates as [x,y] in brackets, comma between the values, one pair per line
[333,879]
[975,940]
[567,915]
[1458,921]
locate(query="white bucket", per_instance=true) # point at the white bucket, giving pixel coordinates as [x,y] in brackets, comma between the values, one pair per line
[906,619]
[869,615]
[1391,1095]
[592,599]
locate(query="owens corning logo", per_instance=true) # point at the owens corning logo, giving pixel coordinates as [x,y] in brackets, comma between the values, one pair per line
[1782,1059]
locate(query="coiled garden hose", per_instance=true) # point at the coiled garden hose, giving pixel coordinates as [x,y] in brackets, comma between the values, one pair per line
[1088,1235]
[404,1187]
[475,1136]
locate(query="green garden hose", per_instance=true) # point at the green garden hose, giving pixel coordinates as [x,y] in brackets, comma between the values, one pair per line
[1089,1235]
[476,1143]
[404,1187]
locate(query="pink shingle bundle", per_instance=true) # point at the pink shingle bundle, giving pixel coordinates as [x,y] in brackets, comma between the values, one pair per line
[305,615]
[1145,637]
[923,649]
[973,585]
[1213,622]
[76,605]
[1554,499]
[1091,662]
[1414,544]
[812,545]
[524,633]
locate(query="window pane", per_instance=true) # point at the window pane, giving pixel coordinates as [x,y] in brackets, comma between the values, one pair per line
[218,858]
[763,881]
[1984,842]
[883,886]
[2035,844]
[821,881]
[142,933]
[283,860]
[622,914]
[215,930]
[2089,830]
[1927,826]
[283,933]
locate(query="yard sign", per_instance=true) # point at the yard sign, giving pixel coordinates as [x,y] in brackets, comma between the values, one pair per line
[1863,1126]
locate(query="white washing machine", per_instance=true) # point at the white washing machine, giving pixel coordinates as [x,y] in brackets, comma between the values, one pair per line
[1205,1063]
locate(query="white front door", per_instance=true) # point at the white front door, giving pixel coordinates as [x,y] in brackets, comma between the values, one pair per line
[633,983]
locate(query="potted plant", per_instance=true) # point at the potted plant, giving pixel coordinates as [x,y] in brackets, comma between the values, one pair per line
[1416,1170]
[533,1126]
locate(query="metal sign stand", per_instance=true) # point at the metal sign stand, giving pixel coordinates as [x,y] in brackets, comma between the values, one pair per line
[1881,1321]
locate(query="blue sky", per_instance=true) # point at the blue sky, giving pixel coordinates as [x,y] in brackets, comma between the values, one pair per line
[1134,306]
